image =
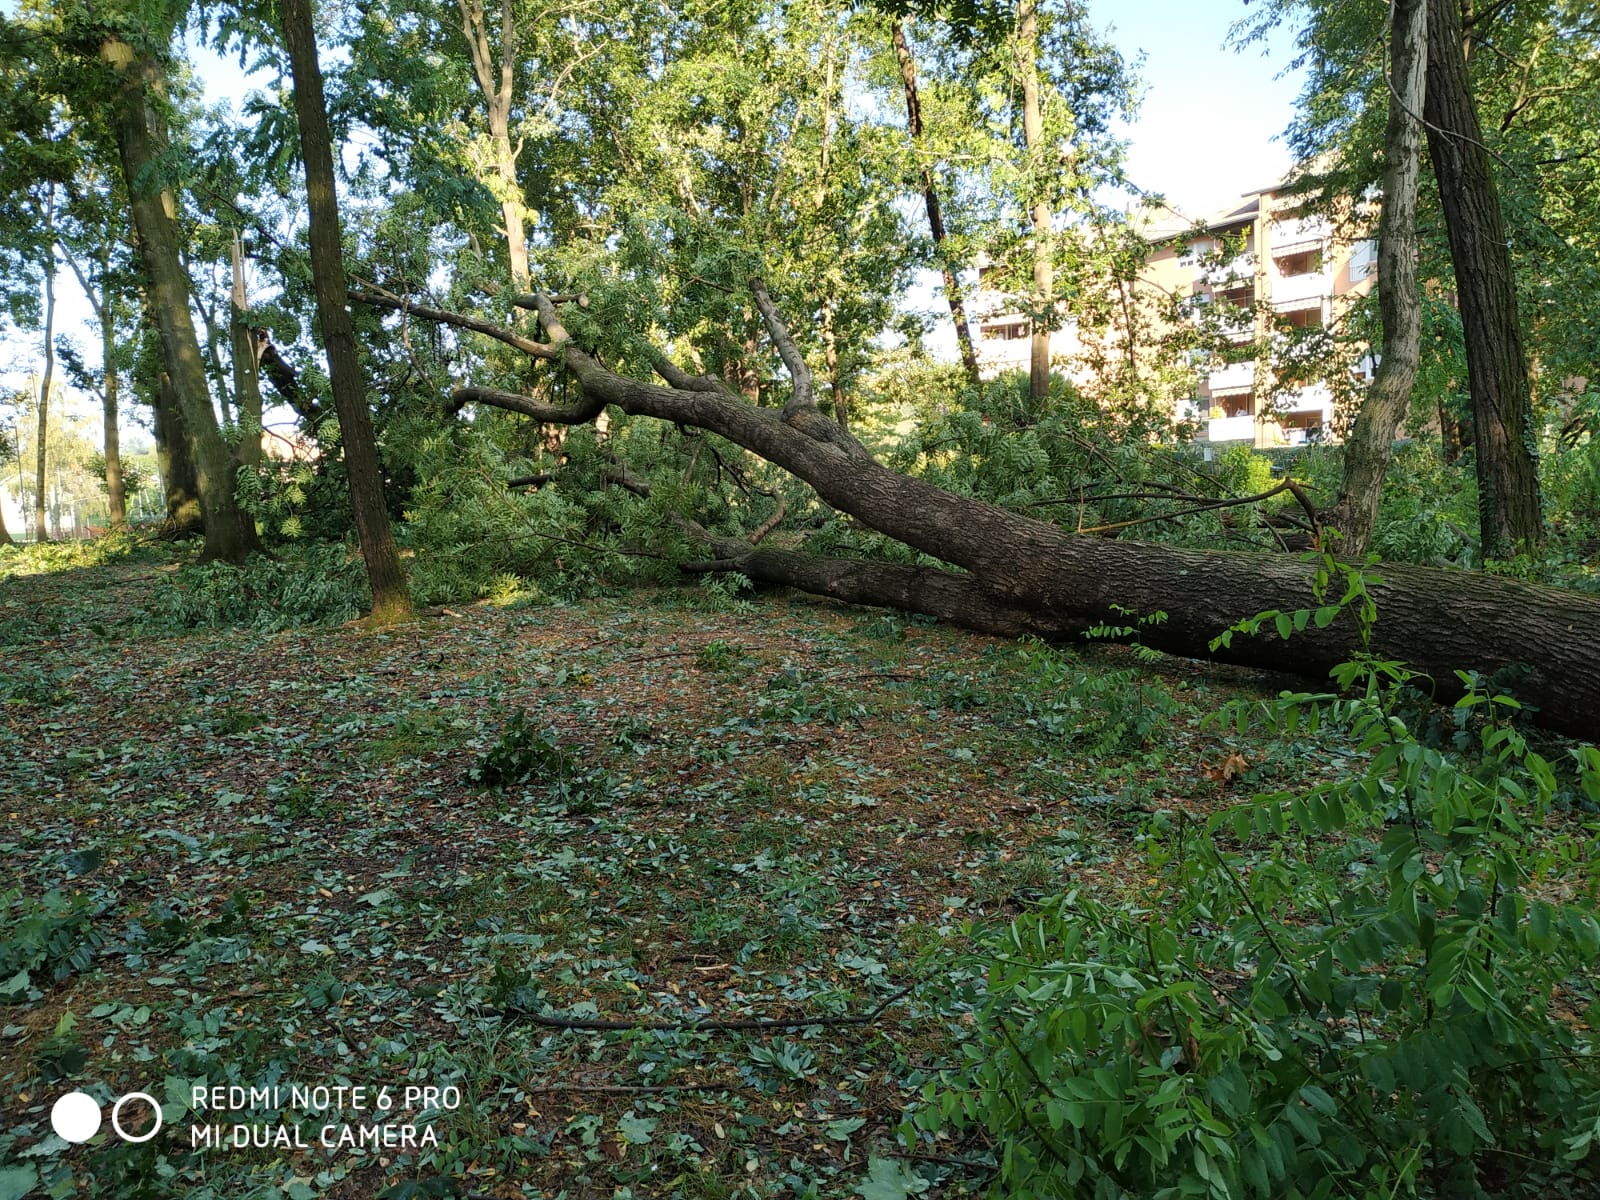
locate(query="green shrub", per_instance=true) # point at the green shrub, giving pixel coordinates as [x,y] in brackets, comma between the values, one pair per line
[52,934]
[317,584]
[1362,990]
[524,756]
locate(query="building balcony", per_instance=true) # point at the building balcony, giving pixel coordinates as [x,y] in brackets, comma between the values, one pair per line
[1232,376]
[1241,268]
[1298,233]
[1316,398]
[1231,429]
[1298,289]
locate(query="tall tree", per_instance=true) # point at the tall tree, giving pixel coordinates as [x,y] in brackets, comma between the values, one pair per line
[930,199]
[1509,510]
[140,128]
[494,71]
[41,529]
[1370,445]
[1043,299]
[389,598]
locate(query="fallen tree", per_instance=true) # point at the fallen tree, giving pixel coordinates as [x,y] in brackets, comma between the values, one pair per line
[1017,575]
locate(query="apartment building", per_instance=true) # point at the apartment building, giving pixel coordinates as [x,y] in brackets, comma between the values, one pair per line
[1251,270]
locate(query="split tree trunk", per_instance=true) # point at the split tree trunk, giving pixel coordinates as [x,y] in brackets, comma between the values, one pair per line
[246,364]
[141,144]
[390,600]
[496,76]
[1497,371]
[930,200]
[1015,574]
[1371,441]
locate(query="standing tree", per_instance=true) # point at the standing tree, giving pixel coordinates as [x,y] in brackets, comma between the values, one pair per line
[41,529]
[1371,442]
[930,200]
[1509,510]
[390,601]
[138,121]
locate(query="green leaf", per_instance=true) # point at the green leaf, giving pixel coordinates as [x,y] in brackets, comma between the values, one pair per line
[17,1182]
[888,1179]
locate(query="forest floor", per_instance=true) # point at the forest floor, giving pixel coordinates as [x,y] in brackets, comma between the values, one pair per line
[272,861]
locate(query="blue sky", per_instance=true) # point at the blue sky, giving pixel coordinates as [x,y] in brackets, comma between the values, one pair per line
[1206,128]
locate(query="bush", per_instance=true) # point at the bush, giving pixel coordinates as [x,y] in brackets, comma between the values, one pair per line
[319,584]
[1366,989]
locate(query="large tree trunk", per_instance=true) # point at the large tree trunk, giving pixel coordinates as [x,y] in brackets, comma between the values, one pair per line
[930,200]
[1371,442]
[390,601]
[1043,237]
[1015,574]
[141,144]
[1497,372]
[173,460]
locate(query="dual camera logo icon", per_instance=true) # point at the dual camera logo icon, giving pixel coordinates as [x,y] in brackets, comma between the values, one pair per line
[76,1117]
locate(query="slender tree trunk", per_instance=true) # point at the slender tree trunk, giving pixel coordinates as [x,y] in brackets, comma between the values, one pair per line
[116,490]
[141,143]
[1371,442]
[390,600]
[41,531]
[496,77]
[930,199]
[1509,510]
[246,372]
[1043,240]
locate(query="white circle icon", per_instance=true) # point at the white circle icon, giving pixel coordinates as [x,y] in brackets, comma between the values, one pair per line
[75,1117]
[116,1111]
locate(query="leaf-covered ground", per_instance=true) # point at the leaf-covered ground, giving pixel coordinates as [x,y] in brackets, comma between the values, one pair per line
[239,859]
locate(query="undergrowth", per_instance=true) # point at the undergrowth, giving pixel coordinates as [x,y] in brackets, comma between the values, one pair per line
[1380,986]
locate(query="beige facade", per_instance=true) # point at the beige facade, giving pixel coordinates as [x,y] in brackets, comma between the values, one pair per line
[1273,269]
[1270,268]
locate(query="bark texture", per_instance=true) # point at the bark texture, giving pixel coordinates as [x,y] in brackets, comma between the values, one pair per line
[141,144]
[930,199]
[1371,441]
[1497,371]
[1013,574]
[173,460]
[390,600]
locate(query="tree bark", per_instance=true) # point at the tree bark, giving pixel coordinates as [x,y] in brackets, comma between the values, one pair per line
[116,490]
[1371,442]
[173,460]
[1016,574]
[1043,239]
[141,144]
[390,600]
[1509,510]
[930,199]
[41,529]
